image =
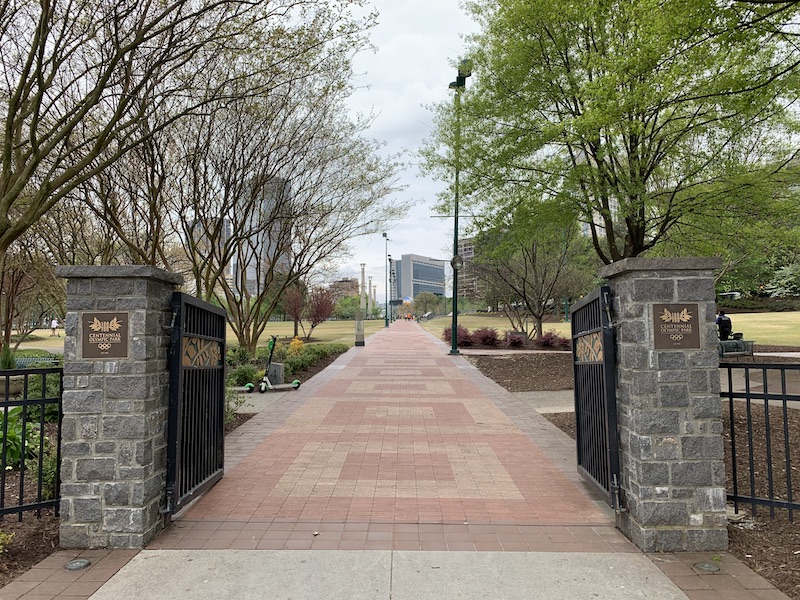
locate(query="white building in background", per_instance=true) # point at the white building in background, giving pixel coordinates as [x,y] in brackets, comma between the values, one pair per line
[414,274]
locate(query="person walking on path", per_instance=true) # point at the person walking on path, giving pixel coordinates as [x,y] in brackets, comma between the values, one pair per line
[54,327]
[725,325]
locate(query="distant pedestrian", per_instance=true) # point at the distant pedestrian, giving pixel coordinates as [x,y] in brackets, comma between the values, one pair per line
[725,325]
[54,327]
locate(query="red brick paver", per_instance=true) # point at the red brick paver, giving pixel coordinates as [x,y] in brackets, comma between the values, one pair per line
[398,446]
[403,435]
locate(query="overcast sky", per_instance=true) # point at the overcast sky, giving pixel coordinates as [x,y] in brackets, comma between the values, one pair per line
[419,42]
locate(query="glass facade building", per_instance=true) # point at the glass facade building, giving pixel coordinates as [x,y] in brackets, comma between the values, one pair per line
[415,274]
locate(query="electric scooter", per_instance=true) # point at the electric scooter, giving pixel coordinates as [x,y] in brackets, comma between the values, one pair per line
[265,383]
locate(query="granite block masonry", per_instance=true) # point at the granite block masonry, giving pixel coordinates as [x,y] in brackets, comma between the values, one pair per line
[668,407]
[116,384]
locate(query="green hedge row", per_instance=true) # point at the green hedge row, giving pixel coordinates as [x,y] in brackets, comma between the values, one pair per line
[788,304]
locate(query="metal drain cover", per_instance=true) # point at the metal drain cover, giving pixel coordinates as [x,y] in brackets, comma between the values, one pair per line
[77,564]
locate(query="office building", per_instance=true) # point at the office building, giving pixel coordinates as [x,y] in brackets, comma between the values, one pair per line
[414,274]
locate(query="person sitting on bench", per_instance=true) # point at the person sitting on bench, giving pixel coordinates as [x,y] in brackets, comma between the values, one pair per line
[725,325]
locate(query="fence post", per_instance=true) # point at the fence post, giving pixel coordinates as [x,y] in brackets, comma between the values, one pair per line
[668,405]
[116,383]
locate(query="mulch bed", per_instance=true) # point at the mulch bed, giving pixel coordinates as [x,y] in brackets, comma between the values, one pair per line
[523,372]
[771,547]
[36,538]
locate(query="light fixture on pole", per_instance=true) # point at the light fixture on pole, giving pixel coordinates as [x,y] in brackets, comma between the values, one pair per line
[392,289]
[464,71]
[386,240]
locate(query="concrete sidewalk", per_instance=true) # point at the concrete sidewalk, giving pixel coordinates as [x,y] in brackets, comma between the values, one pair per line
[399,472]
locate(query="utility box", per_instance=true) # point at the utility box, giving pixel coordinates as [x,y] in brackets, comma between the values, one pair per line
[275,373]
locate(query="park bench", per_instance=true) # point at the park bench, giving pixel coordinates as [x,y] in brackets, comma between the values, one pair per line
[31,362]
[728,348]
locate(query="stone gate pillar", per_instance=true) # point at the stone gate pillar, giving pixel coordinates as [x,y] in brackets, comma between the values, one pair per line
[668,404]
[116,381]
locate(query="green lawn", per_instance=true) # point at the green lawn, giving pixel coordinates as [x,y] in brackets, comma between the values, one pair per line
[778,329]
[473,322]
[329,332]
[774,329]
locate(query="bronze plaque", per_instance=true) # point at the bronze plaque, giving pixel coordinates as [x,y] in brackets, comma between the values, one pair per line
[104,335]
[676,326]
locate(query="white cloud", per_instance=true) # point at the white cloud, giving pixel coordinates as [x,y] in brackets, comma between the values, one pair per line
[419,42]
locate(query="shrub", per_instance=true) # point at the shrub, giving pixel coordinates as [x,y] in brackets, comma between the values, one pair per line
[786,304]
[12,440]
[237,355]
[296,346]
[310,355]
[278,354]
[550,339]
[233,402]
[5,540]
[485,336]
[50,473]
[242,375]
[7,361]
[463,337]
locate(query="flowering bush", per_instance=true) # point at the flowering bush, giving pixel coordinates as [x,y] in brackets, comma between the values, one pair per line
[296,346]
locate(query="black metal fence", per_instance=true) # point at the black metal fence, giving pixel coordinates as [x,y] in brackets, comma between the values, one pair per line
[595,393]
[195,448]
[762,435]
[30,440]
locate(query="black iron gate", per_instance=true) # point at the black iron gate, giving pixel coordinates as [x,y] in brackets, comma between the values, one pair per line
[595,393]
[195,449]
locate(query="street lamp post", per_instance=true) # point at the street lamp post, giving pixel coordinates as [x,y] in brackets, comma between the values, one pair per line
[392,286]
[464,71]
[386,240]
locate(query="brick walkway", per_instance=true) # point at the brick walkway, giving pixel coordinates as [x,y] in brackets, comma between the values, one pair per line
[399,446]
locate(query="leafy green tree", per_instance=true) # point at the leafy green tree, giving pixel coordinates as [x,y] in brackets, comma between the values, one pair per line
[785,282]
[533,258]
[642,115]
[346,308]
[426,302]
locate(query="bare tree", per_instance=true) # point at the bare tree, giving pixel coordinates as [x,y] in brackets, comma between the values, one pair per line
[273,188]
[30,290]
[319,308]
[531,260]
[81,77]
[293,304]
